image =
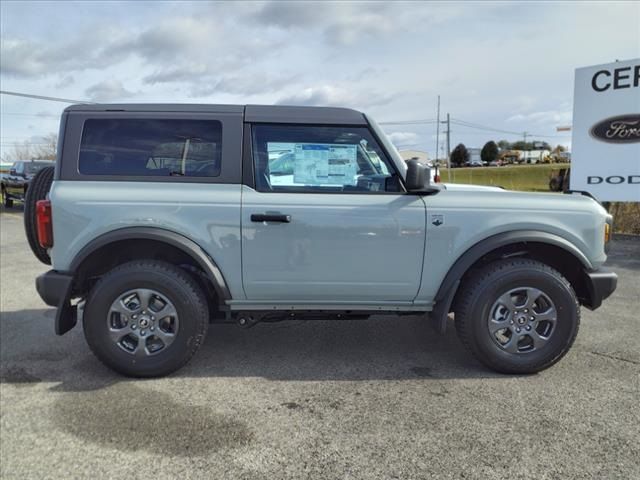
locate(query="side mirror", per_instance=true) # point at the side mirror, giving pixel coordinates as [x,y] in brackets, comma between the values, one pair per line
[13,172]
[419,178]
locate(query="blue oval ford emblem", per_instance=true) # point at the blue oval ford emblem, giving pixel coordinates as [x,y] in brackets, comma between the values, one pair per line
[620,129]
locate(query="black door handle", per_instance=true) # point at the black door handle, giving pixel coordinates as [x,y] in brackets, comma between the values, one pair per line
[270,217]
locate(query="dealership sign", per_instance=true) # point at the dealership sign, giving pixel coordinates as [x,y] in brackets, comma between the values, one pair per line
[605,158]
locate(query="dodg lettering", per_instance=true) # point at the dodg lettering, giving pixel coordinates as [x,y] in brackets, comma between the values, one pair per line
[614,180]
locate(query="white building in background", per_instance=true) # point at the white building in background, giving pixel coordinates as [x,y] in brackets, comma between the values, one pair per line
[474,156]
[422,157]
[534,156]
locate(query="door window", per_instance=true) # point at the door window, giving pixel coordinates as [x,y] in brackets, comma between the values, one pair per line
[291,158]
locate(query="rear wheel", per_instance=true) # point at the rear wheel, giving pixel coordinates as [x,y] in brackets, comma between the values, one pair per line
[146,318]
[517,316]
[38,190]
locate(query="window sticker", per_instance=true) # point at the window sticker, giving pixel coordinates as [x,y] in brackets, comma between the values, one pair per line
[325,164]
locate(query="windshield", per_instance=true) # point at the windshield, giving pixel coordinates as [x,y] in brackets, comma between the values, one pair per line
[391,149]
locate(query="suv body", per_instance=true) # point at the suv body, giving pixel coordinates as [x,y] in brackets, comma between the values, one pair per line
[338,228]
[14,184]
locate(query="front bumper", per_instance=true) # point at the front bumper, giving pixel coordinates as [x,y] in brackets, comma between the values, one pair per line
[55,290]
[600,284]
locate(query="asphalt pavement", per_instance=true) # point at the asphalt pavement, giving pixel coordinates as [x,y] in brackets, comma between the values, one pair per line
[385,398]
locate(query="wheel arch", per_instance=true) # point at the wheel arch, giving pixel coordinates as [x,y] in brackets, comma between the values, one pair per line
[546,247]
[130,236]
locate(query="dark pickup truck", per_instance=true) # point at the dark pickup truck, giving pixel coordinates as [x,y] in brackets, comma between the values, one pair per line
[14,184]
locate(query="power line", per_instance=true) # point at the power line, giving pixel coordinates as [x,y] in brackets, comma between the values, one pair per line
[409,122]
[41,97]
[464,123]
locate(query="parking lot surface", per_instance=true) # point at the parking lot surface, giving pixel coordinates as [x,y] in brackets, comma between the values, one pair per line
[382,398]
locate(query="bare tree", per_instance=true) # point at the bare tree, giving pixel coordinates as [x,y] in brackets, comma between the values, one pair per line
[44,149]
[47,150]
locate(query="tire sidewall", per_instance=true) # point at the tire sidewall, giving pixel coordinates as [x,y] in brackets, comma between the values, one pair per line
[189,333]
[560,294]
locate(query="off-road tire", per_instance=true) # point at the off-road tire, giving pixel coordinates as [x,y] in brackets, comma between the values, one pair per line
[38,190]
[167,279]
[483,287]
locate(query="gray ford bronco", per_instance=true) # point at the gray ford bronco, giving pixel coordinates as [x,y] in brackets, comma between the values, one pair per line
[161,219]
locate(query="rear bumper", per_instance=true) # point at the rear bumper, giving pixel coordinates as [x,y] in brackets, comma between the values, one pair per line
[55,290]
[600,285]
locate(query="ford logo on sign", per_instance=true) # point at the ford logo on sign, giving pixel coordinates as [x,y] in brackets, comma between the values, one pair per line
[620,129]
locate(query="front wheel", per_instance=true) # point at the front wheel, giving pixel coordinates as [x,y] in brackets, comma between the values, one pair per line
[6,201]
[146,318]
[517,316]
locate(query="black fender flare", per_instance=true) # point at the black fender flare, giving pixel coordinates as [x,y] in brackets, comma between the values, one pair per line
[169,237]
[449,286]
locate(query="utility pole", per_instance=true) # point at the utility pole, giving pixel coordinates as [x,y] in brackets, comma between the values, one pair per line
[448,142]
[448,132]
[438,130]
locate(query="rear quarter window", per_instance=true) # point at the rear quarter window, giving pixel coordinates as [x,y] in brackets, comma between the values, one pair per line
[151,147]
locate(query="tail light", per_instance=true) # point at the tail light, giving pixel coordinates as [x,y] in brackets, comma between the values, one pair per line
[44,224]
[436,178]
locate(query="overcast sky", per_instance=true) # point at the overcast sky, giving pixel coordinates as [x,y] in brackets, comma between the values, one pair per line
[505,65]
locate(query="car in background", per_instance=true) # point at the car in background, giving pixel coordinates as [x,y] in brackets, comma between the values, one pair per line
[474,163]
[13,185]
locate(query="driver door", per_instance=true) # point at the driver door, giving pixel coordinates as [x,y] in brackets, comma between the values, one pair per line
[328,220]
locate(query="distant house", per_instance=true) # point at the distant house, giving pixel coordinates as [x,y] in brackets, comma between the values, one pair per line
[420,156]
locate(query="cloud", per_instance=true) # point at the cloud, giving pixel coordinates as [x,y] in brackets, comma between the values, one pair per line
[403,138]
[340,22]
[329,95]
[185,73]
[176,49]
[292,14]
[108,90]
[346,23]
[246,85]
[551,118]
[88,49]
[171,41]
[21,58]
[65,81]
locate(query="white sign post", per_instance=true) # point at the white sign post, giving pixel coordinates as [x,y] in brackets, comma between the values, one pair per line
[605,157]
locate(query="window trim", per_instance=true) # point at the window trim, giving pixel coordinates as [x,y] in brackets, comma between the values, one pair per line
[249,180]
[230,155]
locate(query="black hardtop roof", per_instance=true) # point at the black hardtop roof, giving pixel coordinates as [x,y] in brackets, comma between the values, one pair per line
[252,113]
